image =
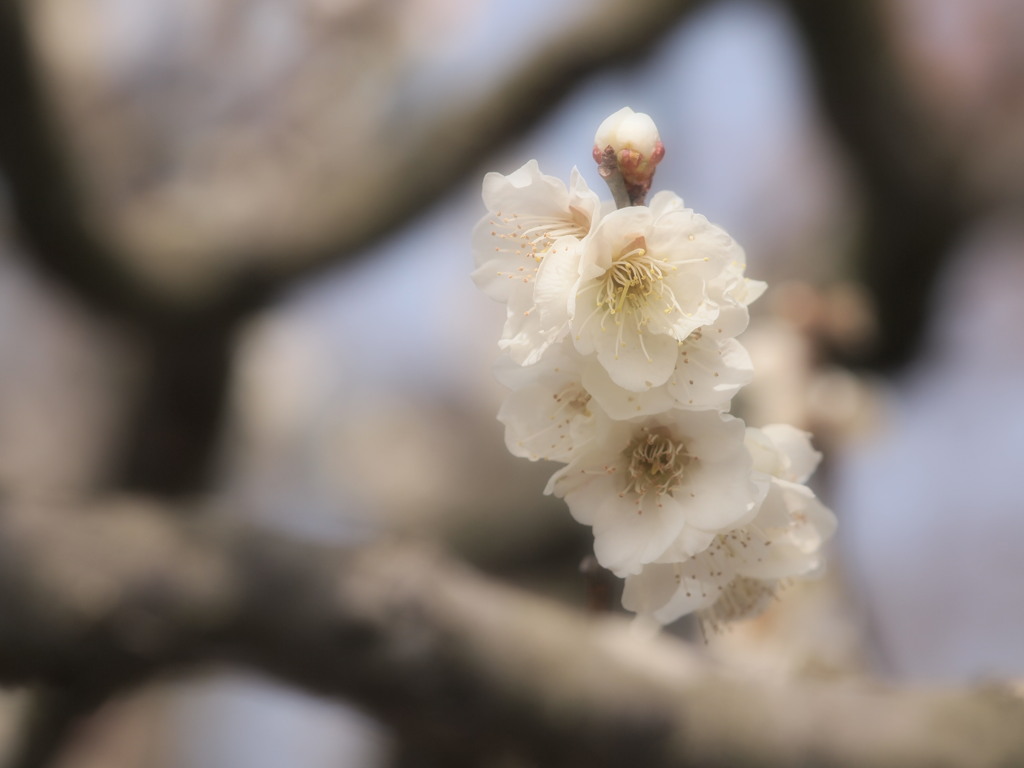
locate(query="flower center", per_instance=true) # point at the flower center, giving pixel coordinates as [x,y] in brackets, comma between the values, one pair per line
[656,462]
[631,278]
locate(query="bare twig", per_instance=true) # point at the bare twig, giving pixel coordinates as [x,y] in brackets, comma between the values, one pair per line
[608,169]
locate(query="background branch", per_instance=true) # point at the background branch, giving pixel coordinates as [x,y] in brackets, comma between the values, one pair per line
[443,655]
[48,198]
[913,183]
[242,265]
[51,717]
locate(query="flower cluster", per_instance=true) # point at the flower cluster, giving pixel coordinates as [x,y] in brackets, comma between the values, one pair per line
[622,362]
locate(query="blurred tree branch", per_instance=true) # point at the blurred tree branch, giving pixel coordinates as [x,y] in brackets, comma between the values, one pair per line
[123,591]
[47,198]
[915,186]
[380,191]
[52,714]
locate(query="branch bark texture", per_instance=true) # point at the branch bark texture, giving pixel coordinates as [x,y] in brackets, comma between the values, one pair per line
[243,264]
[126,591]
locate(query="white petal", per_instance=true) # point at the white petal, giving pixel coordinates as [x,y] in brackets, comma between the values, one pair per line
[548,415]
[622,403]
[714,436]
[554,292]
[635,360]
[719,498]
[709,374]
[649,590]
[626,539]
[765,455]
[697,585]
[665,201]
[690,542]
[801,459]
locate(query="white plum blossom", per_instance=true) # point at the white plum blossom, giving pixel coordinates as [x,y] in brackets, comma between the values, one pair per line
[620,354]
[527,243]
[643,289]
[646,486]
[548,414]
[527,212]
[539,316]
[730,289]
[740,572]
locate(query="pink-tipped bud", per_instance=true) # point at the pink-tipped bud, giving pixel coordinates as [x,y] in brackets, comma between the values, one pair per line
[635,139]
[629,141]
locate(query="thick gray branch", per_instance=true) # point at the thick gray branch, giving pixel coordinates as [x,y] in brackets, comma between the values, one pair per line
[237,262]
[438,652]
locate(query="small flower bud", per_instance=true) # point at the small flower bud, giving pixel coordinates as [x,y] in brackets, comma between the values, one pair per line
[627,129]
[634,140]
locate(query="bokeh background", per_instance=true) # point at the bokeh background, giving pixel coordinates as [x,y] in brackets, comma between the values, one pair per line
[868,155]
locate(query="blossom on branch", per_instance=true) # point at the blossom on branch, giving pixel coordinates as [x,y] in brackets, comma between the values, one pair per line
[668,482]
[622,360]
[529,237]
[549,414]
[642,289]
[740,571]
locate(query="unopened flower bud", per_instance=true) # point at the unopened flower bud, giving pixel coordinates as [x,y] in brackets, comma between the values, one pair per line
[636,146]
